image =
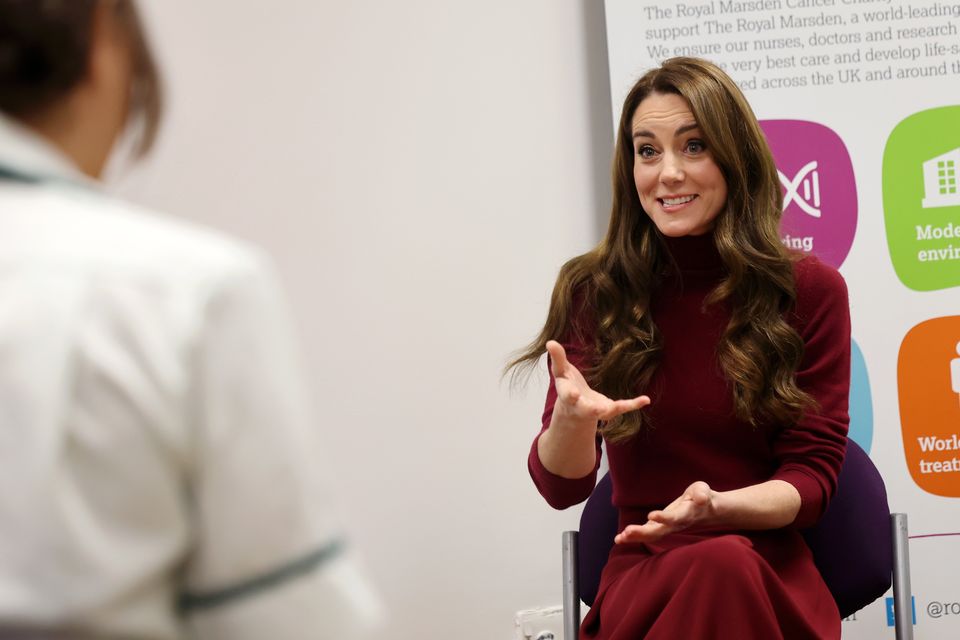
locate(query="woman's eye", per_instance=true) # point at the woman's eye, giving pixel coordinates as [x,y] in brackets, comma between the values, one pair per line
[646,151]
[695,146]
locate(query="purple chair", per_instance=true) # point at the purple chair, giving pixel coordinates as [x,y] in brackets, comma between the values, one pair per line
[858,545]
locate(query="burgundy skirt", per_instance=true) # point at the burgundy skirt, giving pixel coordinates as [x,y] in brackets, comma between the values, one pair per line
[753,586]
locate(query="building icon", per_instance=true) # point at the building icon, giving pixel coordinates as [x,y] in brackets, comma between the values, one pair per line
[940,181]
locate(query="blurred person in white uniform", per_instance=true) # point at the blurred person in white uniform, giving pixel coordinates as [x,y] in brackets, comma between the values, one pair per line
[159,475]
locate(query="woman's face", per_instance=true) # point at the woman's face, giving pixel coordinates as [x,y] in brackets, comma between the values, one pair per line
[680,186]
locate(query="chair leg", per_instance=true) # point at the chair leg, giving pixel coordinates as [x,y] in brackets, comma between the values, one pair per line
[902,596]
[571,587]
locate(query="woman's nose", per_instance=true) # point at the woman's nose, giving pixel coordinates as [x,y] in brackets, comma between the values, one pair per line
[672,170]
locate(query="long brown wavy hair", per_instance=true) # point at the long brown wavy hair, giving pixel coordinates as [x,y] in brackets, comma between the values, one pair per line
[759,352]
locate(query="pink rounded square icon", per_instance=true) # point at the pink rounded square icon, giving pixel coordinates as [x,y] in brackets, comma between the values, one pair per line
[819,188]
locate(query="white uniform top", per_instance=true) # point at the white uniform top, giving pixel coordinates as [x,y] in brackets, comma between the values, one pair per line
[158,464]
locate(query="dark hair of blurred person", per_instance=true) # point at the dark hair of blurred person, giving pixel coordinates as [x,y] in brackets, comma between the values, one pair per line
[63,59]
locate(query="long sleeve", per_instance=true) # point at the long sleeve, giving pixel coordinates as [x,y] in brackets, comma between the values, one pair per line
[810,453]
[559,492]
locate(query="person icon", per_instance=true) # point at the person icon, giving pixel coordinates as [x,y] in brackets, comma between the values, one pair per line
[955,374]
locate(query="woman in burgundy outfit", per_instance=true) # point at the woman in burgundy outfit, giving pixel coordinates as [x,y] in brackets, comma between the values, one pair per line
[715,365]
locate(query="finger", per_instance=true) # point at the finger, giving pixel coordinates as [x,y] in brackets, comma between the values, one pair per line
[674,516]
[623,406]
[558,357]
[635,533]
[630,533]
[642,401]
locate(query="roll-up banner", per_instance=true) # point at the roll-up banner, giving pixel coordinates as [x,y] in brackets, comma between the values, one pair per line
[860,102]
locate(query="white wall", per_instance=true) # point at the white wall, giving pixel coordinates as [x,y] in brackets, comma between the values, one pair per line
[419,170]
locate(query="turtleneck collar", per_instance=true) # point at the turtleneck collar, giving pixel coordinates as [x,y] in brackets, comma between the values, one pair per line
[695,254]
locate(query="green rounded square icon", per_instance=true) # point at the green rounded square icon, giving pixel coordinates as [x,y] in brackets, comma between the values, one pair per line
[921,203]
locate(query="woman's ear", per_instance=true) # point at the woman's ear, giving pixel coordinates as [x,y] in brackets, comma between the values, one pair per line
[110,59]
[102,97]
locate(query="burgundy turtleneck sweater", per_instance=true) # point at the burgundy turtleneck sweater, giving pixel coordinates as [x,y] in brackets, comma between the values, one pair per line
[695,434]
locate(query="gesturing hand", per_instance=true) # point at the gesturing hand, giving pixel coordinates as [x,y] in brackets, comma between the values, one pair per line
[576,401]
[695,508]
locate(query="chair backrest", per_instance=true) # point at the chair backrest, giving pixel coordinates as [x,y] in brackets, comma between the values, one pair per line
[852,543]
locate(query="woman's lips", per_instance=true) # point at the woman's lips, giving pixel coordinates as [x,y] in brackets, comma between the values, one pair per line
[674,203]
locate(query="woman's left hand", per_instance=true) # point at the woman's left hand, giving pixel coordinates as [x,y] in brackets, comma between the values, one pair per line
[696,508]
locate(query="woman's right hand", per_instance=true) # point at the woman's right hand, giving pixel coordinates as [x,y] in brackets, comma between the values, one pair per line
[577,404]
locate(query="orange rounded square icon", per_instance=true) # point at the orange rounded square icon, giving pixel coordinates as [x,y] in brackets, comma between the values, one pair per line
[928,383]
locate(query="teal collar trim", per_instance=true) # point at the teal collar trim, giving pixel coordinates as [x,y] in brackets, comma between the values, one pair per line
[14,176]
[302,566]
